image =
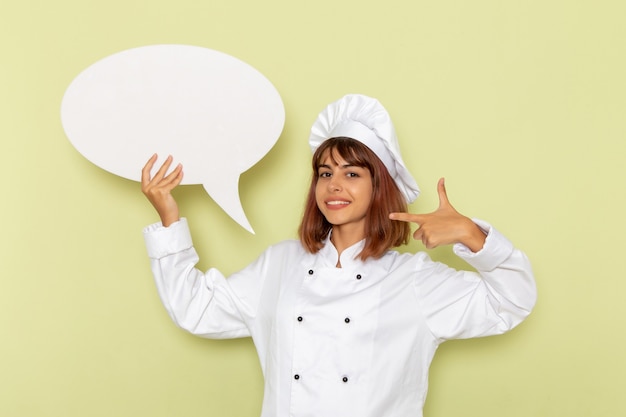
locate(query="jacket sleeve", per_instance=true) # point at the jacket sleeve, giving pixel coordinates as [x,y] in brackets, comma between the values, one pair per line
[202,303]
[493,300]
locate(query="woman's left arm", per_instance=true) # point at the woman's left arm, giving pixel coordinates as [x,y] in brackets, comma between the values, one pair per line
[461,304]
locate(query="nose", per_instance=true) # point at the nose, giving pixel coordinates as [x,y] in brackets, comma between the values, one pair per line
[334,184]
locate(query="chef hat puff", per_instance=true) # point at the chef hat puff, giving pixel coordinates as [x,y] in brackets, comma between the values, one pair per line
[364,119]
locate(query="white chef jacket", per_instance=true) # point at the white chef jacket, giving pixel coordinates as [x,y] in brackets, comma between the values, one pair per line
[340,342]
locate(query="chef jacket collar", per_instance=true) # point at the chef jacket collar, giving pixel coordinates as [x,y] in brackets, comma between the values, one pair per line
[348,257]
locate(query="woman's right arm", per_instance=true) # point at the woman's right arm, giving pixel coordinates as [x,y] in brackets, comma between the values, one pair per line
[201,303]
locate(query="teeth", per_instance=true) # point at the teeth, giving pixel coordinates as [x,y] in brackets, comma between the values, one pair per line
[337,203]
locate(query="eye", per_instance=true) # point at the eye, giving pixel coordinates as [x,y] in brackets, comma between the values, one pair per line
[353,175]
[324,174]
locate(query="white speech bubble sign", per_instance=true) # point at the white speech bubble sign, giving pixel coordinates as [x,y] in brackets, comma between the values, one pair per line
[215,114]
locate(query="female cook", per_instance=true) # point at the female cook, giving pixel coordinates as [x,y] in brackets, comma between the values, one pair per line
[343,325]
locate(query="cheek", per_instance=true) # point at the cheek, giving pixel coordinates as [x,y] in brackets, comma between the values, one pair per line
[318,195]
[364,191]
[367,196]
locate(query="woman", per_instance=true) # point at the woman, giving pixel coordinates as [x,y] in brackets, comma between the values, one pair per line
[343,325]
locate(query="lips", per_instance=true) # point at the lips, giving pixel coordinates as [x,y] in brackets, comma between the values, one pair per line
[336,204]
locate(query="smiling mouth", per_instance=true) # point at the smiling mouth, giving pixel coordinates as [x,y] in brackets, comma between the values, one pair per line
[337,203]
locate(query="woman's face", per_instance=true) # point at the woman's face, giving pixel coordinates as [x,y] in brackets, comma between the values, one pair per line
[343,192]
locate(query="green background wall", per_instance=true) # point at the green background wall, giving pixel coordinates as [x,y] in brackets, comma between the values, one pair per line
[519,104]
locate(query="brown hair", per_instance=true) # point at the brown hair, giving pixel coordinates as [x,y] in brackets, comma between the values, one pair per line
[381,233]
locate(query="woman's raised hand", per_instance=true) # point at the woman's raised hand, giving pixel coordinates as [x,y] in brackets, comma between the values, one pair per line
[445,225]
[158,189]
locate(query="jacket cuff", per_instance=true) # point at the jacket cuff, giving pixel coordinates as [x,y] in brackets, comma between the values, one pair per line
[163,241]
[496,250]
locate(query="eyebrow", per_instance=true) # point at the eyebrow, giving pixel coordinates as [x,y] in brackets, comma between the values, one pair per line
[344,166]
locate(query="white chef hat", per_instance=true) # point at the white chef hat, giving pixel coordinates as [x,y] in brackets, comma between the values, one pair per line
[364,119]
